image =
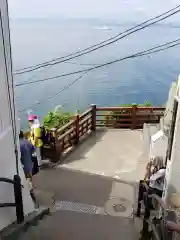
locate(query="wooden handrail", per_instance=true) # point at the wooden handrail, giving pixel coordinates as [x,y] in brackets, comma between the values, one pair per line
[131,117]
[65,134]
[69,124]
[87,112]
[152,108]
[113,108]
[70,134]
[85,120]
[129,108]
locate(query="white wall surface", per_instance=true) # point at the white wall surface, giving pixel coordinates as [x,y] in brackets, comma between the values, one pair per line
[7,154]
[173,171]
[159,147]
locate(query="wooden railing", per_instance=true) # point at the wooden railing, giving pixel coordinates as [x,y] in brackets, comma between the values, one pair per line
[114,117]
[127,117]
[70,134]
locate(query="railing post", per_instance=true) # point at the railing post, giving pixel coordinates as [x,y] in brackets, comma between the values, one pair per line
[18,199]
[93,128]
[134,119]
[77,128]
[56,148]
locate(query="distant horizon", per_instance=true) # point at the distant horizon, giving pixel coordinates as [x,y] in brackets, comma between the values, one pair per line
[95,19]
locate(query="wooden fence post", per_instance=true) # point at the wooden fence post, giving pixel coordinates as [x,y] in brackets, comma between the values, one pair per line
[134,110]
[77,128]
[93,128]
[57,148]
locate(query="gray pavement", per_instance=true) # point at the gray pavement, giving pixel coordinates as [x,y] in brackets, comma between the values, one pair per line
[68,225]
[114,152]
[94,188]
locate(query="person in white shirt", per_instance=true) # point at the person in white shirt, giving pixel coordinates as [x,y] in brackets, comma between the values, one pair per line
[154,185]
[156,181]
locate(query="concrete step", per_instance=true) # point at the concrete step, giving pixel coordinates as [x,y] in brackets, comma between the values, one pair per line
[44,198]
[15,231]
[68,225]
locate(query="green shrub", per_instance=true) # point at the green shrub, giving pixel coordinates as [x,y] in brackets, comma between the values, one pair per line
[56,119]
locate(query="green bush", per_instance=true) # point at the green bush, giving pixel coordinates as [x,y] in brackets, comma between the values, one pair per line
[56,119]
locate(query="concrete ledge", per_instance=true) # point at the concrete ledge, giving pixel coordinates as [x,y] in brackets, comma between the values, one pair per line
[14,231]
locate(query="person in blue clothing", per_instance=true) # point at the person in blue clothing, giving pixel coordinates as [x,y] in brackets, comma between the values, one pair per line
[27,150]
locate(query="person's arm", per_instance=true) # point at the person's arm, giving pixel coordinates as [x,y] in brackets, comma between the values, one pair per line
[148,169]
[173,226]
[32,148]
[21,155]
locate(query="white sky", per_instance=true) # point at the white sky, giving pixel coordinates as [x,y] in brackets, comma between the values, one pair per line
[89,8]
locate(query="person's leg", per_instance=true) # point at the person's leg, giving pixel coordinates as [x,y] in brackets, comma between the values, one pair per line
[140,197]
[35,168]
[152,204]
[158,192]
[38,154]
[30,181]
[42,152]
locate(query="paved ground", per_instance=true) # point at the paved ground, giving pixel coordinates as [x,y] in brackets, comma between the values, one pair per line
[66,225]
[94,189]
[114,152]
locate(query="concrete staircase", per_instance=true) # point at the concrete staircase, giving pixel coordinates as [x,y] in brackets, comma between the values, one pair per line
[68,225]
[87,207]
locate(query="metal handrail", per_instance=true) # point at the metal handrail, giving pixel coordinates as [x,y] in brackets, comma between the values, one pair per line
[2,205]
[147,222]
[7,180]
[154,230]
[18,204]
[158,200]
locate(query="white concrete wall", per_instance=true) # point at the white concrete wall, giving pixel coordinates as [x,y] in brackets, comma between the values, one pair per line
[7,154]
[173,165]
[158,147]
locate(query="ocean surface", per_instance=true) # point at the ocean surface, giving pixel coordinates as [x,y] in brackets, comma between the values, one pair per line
[136,80]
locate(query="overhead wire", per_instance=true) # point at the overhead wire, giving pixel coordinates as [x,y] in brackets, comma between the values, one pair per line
[83,64]
[102,44]
[147,52]
[54,95]
[152,50]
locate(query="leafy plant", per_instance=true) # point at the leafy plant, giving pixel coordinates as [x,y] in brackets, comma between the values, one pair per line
[56,119]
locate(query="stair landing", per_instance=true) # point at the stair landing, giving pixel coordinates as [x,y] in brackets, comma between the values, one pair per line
[116,153]
[94,189]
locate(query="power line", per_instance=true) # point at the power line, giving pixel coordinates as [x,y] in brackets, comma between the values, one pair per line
[158,48]
[56,94]
[98,46]
[83,64]
[77,79]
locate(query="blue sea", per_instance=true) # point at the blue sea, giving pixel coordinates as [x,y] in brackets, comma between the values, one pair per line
[136,80]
